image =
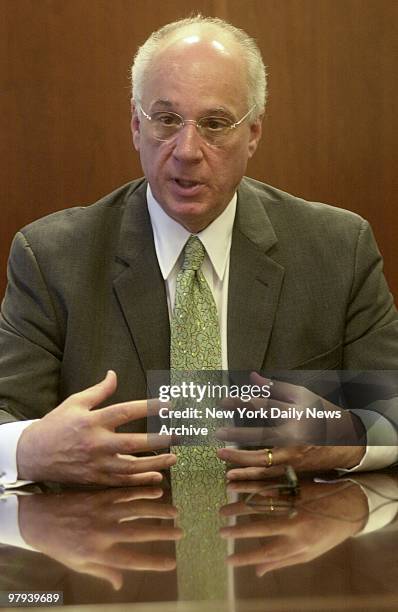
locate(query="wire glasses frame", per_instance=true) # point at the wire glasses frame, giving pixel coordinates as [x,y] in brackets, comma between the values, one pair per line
[213,129]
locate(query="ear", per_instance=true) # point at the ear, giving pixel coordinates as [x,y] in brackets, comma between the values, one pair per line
[135,126]
[255,135]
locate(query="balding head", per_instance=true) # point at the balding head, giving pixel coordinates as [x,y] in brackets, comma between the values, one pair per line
[219,36]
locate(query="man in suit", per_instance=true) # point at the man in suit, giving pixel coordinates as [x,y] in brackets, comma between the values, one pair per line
[296,285]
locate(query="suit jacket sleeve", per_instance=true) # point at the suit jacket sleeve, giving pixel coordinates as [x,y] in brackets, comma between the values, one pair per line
[371,330]
[30,342]
[370,355]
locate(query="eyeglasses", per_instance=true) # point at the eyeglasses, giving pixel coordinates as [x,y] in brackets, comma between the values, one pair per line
[214,130]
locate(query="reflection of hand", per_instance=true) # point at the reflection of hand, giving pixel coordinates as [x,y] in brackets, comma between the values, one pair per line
[75,444]
[289,438]
[327,514]
[94,532]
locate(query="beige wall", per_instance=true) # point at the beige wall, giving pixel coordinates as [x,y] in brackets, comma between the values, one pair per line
[331,127]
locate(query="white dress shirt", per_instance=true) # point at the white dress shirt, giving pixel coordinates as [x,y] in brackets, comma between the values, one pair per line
[170,239]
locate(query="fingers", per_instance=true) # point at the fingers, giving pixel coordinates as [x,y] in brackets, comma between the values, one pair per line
[119,414]
[255,463]
[269,566]
[264,491]
[124,496]
[301,457]
[127,480]
[110,502]
[123,557]
[146,510]
[133,533]
[237,509]
[248,487]
[245,435]
[277,430]
[284,391]
[256,529]
[126,464]
[253,473]
[114,577]
[276,551]
[98,393]
[257,458]
[135,442]
[256,379]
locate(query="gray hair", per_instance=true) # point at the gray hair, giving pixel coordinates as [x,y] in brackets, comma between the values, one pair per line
[256,71]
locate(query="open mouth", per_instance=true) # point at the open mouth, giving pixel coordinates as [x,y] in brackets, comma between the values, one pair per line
[185,184]
[185,187]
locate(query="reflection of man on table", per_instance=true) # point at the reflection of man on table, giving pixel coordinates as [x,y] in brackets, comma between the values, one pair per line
[100,533]
[296,284]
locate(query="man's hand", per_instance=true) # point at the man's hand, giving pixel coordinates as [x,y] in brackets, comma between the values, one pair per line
[101,533]
[75,444]
[255,464]
[335,440]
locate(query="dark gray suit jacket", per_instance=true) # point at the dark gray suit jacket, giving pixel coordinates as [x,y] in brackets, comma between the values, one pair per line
[85,295]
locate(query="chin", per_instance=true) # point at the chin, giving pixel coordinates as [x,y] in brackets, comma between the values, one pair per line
[193,223]
[189,214]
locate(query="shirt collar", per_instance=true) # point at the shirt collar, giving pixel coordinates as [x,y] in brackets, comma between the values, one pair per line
[170,237]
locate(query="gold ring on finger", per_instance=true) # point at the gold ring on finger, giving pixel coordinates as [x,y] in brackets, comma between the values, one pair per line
[269,455]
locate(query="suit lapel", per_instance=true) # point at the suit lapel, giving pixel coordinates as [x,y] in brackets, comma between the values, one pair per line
[139,285]
[255,283]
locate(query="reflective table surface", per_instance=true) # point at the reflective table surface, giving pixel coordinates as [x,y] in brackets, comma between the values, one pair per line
[247,546]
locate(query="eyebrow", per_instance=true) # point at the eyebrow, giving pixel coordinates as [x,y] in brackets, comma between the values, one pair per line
[211,111]
[162,103]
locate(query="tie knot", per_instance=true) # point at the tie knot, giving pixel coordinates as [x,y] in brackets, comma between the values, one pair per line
[194,253]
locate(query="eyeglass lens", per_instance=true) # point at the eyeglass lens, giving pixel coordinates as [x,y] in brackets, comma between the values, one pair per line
[212,129]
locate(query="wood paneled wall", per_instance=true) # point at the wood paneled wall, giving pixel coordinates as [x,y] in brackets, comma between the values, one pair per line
[331,127]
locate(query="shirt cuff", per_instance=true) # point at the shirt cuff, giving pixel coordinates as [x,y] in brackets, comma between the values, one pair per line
[380,489]
[9,438]
[382,442]
[10,533]
[381,492]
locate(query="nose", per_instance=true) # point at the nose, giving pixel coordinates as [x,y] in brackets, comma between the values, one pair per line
[188,144]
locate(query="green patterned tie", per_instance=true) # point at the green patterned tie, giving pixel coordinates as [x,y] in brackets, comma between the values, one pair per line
[195,333]
[195,347]
[198,478]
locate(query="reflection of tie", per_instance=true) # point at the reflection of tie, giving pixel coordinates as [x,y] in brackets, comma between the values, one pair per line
[202,573]
[198,478]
